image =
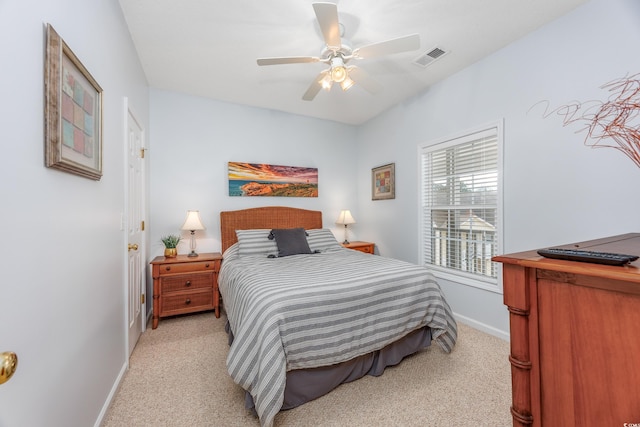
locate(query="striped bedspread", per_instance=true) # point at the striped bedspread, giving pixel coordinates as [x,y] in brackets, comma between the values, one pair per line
[313,310]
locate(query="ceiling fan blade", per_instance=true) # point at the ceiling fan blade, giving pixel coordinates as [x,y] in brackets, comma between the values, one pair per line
[388,47]
[314,88]
[363,79]
[287,60]
[327,15]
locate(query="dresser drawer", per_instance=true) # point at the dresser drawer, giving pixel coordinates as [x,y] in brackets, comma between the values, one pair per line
[185,282]
[186,302]
[187,267]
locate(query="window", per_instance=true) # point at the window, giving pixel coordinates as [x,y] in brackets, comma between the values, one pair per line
[460,205]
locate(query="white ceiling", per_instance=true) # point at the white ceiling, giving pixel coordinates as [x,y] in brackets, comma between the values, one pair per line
[209,48]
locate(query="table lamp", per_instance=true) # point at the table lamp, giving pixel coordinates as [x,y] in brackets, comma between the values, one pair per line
[193,223]
[345,219]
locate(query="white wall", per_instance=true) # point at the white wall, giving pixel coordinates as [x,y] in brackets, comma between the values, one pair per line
[193,139]
[556,190]
[62,290]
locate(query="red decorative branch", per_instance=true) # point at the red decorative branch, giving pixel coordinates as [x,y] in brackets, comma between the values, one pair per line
[615,119]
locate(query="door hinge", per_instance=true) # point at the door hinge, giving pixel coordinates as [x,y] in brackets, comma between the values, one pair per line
[142,299]
[142,225]
[142,150]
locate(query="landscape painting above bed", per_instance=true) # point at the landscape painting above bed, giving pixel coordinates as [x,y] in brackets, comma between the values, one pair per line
[258,179]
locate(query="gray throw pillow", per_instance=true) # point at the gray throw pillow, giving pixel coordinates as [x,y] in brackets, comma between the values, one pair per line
[290,241]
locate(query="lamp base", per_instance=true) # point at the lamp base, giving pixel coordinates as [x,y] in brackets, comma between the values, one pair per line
[192,244]
[346,241]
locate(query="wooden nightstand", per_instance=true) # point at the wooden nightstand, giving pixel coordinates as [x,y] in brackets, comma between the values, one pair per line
[185,285]
[366,247]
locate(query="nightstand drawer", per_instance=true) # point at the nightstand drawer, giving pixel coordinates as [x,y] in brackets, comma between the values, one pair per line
[185,282]
[185,303]
[366,247]
[187,267]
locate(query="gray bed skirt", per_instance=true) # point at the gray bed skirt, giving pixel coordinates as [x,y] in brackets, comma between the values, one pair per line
[304,385]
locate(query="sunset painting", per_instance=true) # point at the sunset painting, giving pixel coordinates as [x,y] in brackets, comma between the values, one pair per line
[257,179]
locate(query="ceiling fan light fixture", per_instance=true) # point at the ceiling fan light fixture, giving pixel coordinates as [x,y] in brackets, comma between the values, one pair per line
[346,84]
[337,52]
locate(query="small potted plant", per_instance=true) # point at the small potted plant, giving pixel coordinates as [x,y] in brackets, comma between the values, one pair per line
[170,245]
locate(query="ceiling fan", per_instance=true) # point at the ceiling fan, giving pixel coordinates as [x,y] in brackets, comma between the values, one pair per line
[337,54]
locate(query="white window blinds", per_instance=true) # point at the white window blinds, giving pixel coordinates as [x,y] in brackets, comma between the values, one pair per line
[460,203]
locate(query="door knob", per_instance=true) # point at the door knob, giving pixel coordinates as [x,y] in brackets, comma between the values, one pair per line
[8,365]
[133,247]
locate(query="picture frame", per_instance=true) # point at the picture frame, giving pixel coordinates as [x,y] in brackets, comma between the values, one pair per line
[73,112]
[383,182]
[266,180]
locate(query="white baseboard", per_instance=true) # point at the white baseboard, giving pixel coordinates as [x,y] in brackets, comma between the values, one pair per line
[112,394]
[116,384]
[483,327]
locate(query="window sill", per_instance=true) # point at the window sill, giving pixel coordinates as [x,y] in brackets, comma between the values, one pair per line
[461,278]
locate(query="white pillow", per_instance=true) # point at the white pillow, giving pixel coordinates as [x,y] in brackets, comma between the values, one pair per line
[256,242]
[231,252]
[321,239]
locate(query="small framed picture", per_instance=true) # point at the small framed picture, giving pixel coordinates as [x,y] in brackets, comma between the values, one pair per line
[383,182]
[73,112]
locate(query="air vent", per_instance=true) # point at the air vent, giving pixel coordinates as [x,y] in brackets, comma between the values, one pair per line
[430,56]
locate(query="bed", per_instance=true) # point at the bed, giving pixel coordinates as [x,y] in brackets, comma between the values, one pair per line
[305,314]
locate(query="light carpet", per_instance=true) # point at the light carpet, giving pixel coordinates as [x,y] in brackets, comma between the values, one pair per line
[177,377]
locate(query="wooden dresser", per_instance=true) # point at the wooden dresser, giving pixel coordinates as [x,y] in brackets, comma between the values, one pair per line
[575,337]
[185,285]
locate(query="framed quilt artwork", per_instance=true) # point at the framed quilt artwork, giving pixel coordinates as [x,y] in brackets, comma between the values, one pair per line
[383,182]
[73,112]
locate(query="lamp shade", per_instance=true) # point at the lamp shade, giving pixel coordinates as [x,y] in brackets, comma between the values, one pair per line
[338,70]
[345,217]
[193,221]
[346,84]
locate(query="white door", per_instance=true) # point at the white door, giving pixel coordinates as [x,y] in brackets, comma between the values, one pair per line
[135,230]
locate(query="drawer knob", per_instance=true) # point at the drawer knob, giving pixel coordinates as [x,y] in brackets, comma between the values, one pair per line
[168,268]
[207,265]
[188,283]
[188,301]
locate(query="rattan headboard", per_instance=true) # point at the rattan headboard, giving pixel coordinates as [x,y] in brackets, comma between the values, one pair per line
[265,217]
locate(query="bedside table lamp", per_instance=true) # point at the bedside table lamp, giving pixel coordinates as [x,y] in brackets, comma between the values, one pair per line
[345,219]
[193,223]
